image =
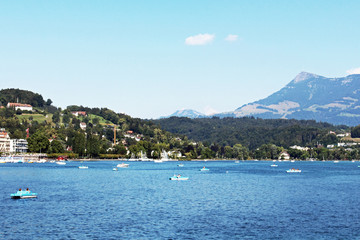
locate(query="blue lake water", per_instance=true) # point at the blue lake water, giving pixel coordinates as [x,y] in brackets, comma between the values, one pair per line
[248,200]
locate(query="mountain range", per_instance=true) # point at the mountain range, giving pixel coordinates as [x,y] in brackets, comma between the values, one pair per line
[307,97]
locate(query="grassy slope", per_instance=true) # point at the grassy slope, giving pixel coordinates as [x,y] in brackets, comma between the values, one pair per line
[36,117]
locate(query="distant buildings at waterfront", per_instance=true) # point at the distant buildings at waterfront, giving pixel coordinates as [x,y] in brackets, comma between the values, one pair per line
[8,145]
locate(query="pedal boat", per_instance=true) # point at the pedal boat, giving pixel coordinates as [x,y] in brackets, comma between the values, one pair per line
[204,169]
[178,178]
[23,194]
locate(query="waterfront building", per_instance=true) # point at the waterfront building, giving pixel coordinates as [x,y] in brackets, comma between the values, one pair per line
[8,145]
[18,146]
[284,156]
[5,143]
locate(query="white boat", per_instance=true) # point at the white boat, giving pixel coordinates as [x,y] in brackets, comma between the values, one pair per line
[237,161]
[273,165]
[158,161]
[336,161]
[122,165]
[61,163]
[115,169]
[83,167]
[293,170]
[180,165]
[178,178]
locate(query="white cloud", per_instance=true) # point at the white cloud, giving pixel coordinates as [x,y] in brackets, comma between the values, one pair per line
[231,38]
[200,39]
[353,71]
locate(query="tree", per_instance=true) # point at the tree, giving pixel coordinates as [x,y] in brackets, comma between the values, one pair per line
[355,132]
[48,102]
[93,146]
[79,144]
[38,142]
[56,117]
[56,147]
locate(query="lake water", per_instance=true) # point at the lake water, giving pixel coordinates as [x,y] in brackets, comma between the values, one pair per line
[246,200]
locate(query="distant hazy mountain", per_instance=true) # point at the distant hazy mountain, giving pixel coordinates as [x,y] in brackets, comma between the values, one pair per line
[187,113]
[310,96]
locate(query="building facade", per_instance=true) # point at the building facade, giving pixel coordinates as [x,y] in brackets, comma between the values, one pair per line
[20,106]
[8,145]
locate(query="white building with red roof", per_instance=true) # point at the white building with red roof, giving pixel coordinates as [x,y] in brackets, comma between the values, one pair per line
[20,106]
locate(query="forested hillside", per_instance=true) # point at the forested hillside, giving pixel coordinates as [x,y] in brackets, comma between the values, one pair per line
[251,132]
[22,96]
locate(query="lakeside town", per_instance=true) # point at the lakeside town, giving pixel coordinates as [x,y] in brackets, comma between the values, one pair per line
[123,143]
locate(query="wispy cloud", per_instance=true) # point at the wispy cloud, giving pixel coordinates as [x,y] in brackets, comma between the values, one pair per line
[353,71]
[231,38]
[200,39]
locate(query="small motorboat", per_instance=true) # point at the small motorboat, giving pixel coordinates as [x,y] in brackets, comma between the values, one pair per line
[237,161]
[178,178]
[122,165]
[273,165]
[61,163]
[293,170]
[83,167]
[23,194]
[180,165]
[115,169]
[204,169]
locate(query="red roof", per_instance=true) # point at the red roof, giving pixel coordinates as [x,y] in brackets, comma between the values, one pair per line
[18,105]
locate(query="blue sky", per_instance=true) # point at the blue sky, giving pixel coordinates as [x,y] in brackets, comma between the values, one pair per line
[151,58]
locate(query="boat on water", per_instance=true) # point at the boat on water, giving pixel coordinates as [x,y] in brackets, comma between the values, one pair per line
[178,178]
[115,169]
[23,194]
[158,161]
[204,169]
[2,161]
[237,161]
[336,161]
[180,165]
[61,163]
[122,165]
[273,165]
[83,167]
[293,170]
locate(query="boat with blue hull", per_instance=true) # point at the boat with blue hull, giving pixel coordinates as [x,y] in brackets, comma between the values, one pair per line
[21,194]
